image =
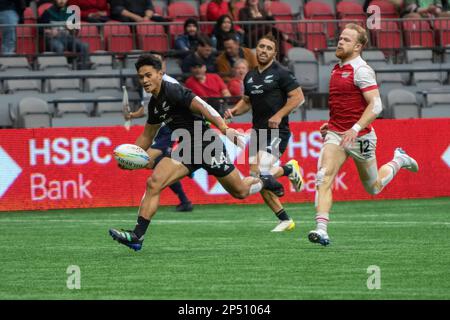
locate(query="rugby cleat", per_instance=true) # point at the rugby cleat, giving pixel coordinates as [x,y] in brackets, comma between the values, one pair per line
[410,163]
[284,225]
[295,176]
[271,184]
[319,236]
[127,238]
[184,207]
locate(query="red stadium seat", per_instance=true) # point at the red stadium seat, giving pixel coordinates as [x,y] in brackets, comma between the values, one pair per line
[442,29]
[179,12]
[417,33]
[313,35]
[349,10]
[388,38]
[203,9]
[158,10]
[118,38]
[317,10]
[43,7]
[387,9]
[89,34]
[26,40]
[281,11]
[152,37]
[29,16]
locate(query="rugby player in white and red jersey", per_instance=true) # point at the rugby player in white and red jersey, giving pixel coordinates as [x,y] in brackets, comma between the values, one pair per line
[354,103]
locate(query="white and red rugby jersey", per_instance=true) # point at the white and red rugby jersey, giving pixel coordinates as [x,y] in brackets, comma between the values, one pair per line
[346,101]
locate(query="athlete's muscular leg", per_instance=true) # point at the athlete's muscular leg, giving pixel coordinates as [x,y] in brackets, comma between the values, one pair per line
[153,154]
[374,180]
[240,188]
[265,163]
[330,162]
[166,172]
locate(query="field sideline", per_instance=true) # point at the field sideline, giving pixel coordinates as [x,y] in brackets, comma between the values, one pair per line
[227,252]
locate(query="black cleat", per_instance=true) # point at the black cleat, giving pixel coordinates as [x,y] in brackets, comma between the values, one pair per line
[127,238]
[186,206]
[271,184]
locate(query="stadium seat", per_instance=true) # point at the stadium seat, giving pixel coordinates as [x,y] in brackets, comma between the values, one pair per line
[417,55]
[388,38]
[427,80]
[66,109]
[55,85]
[313,35]
[26,40]
[108,107]
[102,60]
[442,29]
[101,84]
[387,9]
[417,33]
[194,3]
[317,114]
[403,104]
[29,16]
[173,67]
[281,11]
[90,35]
[13,86]
[296,7]
[305,68]
[179,12]
[14,64]
[152,37]
[34,113]
[53,63]
[438,106]
[118,37]
[317,10]
[350,10]
[329,58]
[160,6]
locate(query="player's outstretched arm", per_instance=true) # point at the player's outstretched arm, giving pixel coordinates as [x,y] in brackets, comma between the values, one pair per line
[294,100]
[243,106]
[146,138]
[199,106]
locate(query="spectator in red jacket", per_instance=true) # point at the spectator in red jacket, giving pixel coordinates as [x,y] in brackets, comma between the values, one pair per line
[92,10]
[217,8]
[206,84]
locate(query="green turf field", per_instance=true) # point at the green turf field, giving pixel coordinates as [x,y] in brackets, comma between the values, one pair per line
[227,252]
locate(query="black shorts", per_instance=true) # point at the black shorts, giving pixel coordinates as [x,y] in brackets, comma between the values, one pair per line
[209,155]
[163,141]
[272,141]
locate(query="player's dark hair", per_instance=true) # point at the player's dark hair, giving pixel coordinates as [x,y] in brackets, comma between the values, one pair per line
[204,41]
[271,38]
[148,60]
[230,36]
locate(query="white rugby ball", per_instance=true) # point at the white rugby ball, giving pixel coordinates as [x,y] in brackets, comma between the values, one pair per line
[131,156]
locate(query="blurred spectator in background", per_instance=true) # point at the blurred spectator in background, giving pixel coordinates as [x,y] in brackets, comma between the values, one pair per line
[59,38]
[135,11]
[224,28]
[234,10]
[92,10]
[216,8]
[252,11]
[206,84]
[189,40]
[416,9]
[10,12]
[203,52]
[233,52]
[236,84]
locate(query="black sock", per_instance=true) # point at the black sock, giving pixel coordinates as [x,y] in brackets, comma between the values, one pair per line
[178,190]
[141,226]
[287,170]
[282,215]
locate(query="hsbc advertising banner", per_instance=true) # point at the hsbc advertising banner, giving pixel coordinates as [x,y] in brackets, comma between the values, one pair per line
[74,168]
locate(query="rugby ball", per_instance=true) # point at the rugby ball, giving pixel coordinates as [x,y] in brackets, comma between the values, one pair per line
[131,156]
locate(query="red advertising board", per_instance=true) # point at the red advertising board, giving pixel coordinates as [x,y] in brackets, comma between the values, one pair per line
[74,167]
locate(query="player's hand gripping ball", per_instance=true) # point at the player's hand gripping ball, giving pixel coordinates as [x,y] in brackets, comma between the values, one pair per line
[131,157]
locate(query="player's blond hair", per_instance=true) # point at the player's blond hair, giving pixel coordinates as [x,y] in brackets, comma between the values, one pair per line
[362,33]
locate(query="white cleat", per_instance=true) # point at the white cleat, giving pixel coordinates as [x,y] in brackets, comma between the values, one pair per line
[410,163]
[284,225]
[295,176]
[319,236]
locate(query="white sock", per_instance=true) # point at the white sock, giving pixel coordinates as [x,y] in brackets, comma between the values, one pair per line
[322,220]
[255,188]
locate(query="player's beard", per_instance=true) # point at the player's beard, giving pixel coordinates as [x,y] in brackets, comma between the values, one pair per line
[342,54]
[266,62]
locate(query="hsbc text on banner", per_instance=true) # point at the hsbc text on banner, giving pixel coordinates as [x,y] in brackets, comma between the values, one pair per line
[74,167]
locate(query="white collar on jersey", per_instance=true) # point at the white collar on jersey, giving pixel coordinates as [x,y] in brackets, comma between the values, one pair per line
[357,59]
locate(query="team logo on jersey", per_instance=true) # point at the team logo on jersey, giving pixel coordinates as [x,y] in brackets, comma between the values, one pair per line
[165,108]
[163,116]
[257,91]
[257,86]
[268,79]
[250,80]
[345,74]
[156,111]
